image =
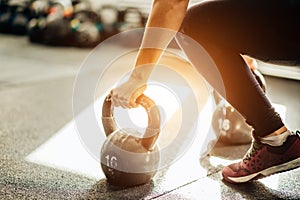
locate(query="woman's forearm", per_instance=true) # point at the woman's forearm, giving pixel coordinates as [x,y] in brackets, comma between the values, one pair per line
[164,21]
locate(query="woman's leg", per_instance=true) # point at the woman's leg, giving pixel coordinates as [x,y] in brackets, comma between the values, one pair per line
[222,28]
[229,28]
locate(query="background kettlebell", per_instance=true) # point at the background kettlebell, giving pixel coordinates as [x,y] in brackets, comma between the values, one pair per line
[228,123]
[126,159]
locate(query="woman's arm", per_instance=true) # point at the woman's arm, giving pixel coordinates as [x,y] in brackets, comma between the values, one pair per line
[164,21]
[165,14]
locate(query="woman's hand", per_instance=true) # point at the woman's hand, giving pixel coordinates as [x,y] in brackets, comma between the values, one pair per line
[153,45]
[126,94]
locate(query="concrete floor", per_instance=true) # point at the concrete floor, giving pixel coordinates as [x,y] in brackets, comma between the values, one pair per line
[36,85]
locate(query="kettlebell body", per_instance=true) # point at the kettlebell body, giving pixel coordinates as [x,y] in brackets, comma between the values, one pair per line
[230,125]
[129,163]
[129,158]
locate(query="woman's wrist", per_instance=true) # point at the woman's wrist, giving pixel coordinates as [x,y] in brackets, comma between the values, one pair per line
[142,73]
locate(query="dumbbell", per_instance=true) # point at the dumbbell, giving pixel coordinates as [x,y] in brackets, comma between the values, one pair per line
[7,15]
[36,29]
[37,24]
[39,8]
[128,159]
[132,18]
[5,19]
[57,30]
[3,7]
[20,21]
[109,16]
[85,25]
[17,16]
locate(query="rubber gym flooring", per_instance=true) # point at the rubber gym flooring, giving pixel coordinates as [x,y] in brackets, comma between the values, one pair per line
[42,158]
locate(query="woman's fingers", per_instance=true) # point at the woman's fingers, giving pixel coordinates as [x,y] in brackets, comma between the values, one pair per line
[115,101]
[119,99]
[126,94]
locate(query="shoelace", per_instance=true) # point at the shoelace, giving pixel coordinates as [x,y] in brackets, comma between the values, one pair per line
[297,133]
[257,146]
[252,151]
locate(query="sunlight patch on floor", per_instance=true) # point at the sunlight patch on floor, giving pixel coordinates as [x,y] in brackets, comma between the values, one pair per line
[65,151]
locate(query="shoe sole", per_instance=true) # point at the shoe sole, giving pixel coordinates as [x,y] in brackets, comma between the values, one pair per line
[266,172]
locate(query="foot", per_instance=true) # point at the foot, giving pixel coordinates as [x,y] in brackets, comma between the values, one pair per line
[263,160]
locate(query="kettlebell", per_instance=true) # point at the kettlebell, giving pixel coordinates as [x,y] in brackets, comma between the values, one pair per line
[127,159]
[228,123]
[85,25]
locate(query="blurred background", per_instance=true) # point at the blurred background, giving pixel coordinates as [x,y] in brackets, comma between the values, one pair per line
[85,23]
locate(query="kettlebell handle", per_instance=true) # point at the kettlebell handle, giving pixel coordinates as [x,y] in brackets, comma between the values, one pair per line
[152,131]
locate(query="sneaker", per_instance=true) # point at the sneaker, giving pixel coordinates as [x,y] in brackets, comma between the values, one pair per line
[264,160]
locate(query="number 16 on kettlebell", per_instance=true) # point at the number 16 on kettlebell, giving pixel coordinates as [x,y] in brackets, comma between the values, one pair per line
[128,160]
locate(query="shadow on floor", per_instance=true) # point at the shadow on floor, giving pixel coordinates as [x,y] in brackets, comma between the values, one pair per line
[102,190]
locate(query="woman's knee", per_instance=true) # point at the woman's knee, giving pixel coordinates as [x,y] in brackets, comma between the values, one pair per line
[192,18]
[202,21]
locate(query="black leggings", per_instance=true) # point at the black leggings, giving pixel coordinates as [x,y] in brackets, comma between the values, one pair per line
[268,30]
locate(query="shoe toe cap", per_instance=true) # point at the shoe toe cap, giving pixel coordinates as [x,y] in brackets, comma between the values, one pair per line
[234,170]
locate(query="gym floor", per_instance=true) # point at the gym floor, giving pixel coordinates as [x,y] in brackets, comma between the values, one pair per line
[40,153]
